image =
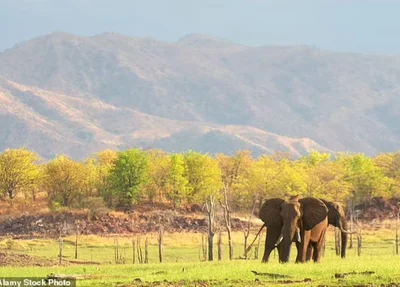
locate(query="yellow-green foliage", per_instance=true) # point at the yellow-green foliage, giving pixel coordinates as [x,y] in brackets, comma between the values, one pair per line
[135,176]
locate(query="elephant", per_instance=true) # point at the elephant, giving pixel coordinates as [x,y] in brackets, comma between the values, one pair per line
[337,218]
[303,221]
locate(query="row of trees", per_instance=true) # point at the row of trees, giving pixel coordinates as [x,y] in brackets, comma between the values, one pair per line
[122,179]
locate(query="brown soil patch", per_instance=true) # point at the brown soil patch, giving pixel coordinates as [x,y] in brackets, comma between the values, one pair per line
[15,259]
[49,225]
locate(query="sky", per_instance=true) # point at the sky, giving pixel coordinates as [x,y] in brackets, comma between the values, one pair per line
[363,26]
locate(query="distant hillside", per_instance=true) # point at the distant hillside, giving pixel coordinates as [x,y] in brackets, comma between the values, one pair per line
[62,93]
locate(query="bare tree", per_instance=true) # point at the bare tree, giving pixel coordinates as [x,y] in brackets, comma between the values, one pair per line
[397,231]
[139,250]
[133,251]
[160,243]
[246,233]
[257,248]
[219,246]
[210,209]
[227,218]
[60,247]
[146,251]
[203,248]
[76,240]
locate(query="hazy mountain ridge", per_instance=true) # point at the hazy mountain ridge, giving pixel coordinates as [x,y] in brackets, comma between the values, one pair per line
[202,93]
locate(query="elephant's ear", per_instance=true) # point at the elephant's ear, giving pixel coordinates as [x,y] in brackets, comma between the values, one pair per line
[314,211]
[270,212]
[334,209]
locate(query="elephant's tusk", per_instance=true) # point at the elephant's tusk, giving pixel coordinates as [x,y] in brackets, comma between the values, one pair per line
[344,230]
[279,240]
[347,232]
[298,237]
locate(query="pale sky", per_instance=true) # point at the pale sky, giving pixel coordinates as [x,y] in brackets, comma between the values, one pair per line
[368,26]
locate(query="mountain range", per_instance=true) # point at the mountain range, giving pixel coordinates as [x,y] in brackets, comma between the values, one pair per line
[74,95]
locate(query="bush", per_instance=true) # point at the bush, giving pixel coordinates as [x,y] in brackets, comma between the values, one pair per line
[96,206]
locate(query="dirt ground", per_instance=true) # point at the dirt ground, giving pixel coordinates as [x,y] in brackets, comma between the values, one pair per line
[49,224]
[14,259]
[146,218]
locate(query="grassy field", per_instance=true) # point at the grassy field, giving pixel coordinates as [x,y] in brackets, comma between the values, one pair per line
[182,266]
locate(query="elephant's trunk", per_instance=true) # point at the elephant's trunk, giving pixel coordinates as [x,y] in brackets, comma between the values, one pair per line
[287,235]
[344,235]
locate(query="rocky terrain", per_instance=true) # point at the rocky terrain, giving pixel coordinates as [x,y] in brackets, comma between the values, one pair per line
[66,94]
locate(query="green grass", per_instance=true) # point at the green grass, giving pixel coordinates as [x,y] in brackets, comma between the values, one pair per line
[183,267]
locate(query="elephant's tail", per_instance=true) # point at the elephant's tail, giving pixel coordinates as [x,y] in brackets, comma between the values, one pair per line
[248,248]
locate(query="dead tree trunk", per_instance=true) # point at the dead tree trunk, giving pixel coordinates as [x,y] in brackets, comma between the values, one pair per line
[160,243]
[203,247]
[210,215]
[351,224]
[359,243]
[257,248]
[219,246]
[133,251]
[116,250]
[146,251]
[246,233]
[139,250]
[76,241]
[60,246]
[227,219]
[397,234]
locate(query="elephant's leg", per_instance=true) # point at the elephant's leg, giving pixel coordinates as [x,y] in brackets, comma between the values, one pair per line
[299,248]
[270,240]
[305,241]
[318,248]
[267,253]
[318,237]
[310,251]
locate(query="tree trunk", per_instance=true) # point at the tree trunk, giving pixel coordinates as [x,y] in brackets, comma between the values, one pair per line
[133,251]
[76,243]
[60,246]
[146,251]
[227,219]
[359,244]
[351,224]
[397,234]
[210,215]
[160,243]
[247,231]
[219,246]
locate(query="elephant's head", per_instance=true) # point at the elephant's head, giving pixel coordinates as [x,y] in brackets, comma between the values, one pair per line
[337,218]
[292,215]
